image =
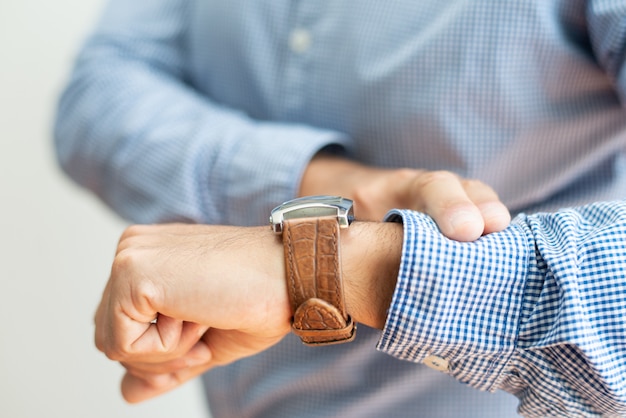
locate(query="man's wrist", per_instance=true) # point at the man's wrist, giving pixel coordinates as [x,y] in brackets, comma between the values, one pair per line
[371,253]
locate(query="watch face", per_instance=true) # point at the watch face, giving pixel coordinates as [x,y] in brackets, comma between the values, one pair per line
[311,207]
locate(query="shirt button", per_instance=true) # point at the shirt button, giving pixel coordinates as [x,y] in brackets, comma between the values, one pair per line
[437,363]
[299,40]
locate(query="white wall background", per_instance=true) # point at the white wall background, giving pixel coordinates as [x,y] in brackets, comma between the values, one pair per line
[56,241]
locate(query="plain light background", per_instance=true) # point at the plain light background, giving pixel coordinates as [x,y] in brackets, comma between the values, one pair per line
[56,241]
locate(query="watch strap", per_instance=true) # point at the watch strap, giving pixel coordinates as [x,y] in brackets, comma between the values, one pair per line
[315,286]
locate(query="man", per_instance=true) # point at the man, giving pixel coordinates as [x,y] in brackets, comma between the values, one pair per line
[214,113]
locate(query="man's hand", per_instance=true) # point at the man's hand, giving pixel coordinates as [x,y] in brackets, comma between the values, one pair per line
[184,298]
[463,209]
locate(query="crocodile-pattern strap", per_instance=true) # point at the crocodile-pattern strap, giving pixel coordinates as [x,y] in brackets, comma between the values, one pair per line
[313,266]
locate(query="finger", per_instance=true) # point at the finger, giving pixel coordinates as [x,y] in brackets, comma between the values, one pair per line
[198,355]
[165,340]
[495,215]
[143,386]
[441,195]
[99,319]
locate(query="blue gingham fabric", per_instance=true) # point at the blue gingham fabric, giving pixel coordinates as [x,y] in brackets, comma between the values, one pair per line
[208,111]
[538,310]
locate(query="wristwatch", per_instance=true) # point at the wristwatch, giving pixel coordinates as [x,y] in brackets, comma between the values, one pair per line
[310,228]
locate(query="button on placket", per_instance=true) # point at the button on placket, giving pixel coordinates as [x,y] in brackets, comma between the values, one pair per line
[299,40]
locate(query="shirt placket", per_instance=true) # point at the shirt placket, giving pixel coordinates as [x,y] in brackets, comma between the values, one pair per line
[300,44]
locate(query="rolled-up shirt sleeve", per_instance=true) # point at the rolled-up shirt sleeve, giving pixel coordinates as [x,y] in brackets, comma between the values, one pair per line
[538,310]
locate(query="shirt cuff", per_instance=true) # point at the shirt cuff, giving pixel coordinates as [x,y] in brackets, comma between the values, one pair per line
[458,303]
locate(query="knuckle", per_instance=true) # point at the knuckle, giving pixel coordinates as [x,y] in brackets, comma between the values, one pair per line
[132,231]
[126,243]
[127,350]
[428,178]
[473,184]
[406,173]
[130,237]
[479,191]
[361,194]
[120,349]
[117,352]
[126,259]
[144,292]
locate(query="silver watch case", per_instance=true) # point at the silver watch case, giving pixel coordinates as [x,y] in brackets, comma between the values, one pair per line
[312,207]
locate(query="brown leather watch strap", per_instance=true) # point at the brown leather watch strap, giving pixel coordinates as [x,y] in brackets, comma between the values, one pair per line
[313,266]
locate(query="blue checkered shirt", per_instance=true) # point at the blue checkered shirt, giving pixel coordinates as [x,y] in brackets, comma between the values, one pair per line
[209,111]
